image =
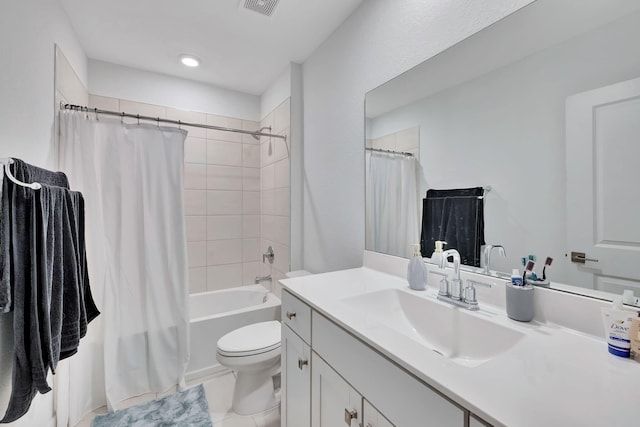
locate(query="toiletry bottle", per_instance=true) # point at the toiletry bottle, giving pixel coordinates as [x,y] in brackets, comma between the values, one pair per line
[417,271]
[634,338]
[436,256]
[617,324]
[516,278]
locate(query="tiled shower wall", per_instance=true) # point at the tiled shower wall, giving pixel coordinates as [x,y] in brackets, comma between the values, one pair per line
[275,195]
[407,140]
[222,196]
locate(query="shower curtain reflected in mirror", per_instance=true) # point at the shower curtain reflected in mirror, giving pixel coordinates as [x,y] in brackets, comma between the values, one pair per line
[393,189]
[132,180]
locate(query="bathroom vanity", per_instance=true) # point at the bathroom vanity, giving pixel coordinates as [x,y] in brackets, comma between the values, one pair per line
[360,348]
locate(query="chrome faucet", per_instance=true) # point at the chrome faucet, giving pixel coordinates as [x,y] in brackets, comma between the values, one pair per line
[261,278]
[453,292]
[487,256]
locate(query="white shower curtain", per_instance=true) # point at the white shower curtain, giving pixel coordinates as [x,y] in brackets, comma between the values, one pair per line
[132,179]
[393,210]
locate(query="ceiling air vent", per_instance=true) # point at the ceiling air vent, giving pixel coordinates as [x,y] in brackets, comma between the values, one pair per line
[265,7]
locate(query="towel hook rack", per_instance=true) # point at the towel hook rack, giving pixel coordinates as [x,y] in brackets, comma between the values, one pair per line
[7,171]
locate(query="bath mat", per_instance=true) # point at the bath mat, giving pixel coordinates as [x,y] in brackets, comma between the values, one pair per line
[185,408]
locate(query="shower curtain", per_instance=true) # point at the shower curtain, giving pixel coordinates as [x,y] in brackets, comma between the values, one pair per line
[392,208]
[132,180]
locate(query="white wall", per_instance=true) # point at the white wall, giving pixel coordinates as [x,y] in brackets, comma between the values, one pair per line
[380,40]
[279,91]
[116,81]
[28,31]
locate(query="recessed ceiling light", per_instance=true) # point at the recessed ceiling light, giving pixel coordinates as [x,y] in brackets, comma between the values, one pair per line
[189,60]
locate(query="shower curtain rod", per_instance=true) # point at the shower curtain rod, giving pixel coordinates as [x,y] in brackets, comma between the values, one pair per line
[380,150]
[97,111]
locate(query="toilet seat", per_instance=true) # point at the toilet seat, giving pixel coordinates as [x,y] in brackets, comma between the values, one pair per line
[251,340]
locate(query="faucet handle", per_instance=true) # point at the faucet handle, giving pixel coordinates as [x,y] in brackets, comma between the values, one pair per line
[470,290]
[443,290]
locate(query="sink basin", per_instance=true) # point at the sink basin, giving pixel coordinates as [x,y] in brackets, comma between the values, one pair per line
[456,334]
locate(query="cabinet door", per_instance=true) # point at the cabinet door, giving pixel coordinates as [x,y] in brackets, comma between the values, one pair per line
[333,402]
[296,380]
[371,417]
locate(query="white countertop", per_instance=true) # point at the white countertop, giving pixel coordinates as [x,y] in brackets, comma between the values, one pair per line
[553,376]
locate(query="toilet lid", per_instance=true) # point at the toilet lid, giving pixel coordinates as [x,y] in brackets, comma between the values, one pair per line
[251,339]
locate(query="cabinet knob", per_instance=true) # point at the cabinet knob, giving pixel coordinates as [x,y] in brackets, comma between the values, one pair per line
[350,415]
[302,362]
[291,314]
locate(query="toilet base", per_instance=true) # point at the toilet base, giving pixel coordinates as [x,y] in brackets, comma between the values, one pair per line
[254,392]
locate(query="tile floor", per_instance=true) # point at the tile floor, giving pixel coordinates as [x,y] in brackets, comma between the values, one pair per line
[218,389]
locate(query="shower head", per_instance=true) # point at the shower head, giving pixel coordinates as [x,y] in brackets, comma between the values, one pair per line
[260,131]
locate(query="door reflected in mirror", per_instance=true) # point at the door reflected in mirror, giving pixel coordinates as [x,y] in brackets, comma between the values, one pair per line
[545,113]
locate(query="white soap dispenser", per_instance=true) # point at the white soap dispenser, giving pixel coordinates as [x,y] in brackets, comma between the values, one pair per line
[417,271]
[436,256]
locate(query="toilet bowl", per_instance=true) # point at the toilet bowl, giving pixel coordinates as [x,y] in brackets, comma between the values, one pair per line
[253,352]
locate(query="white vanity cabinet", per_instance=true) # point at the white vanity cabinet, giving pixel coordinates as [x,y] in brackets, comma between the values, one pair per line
[333,401]
[345,380]
[296,362]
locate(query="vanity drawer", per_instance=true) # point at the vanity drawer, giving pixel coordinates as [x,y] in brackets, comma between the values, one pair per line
[297,315]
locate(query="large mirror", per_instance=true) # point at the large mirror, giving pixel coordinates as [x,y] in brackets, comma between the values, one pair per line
[541,113]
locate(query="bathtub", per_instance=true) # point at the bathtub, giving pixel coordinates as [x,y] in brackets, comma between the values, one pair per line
[213,314]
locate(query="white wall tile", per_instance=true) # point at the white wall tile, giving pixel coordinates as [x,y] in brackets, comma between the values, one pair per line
[195,202]
[104,103]
[224,251]
[189,117]
[267,152]
[227,122]
[250,202]
[197,279]
[267,122]
[224,276]
[281,261]
[222,202]
[268,203]
[250,226]
[282,231]
[249,272]
[251,179]
[224,227]
[196,228]
[282,173]
[251,250]
[251,155]
[267,177]
[196,254]
[195,176]
[195,150]
[408,139]
[252,126]
[282,201]
[281,147]
[267,226]
[224,178]
[142,109]
[224,153]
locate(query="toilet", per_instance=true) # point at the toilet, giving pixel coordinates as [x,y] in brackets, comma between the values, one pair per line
[253,352]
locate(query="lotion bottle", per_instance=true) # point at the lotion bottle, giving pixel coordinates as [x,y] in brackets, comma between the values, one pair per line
[417,271]
[437,252]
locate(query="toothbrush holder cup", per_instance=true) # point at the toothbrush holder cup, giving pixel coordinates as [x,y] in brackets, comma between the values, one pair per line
[519,302]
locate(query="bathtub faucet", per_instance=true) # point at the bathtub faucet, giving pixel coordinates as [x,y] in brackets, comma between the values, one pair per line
[261,278]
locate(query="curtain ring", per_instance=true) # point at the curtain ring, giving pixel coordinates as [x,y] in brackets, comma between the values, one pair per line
[179,124]
[138,116]
[95,110]
[122,118]
[158,121]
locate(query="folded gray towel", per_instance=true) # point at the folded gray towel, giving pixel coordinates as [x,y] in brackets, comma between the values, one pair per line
[52,302]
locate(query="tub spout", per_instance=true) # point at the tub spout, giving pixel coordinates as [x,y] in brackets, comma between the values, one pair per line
[261,278]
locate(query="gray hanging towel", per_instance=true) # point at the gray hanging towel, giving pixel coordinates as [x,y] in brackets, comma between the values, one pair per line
[52,302]
[26,173]
[457,217]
